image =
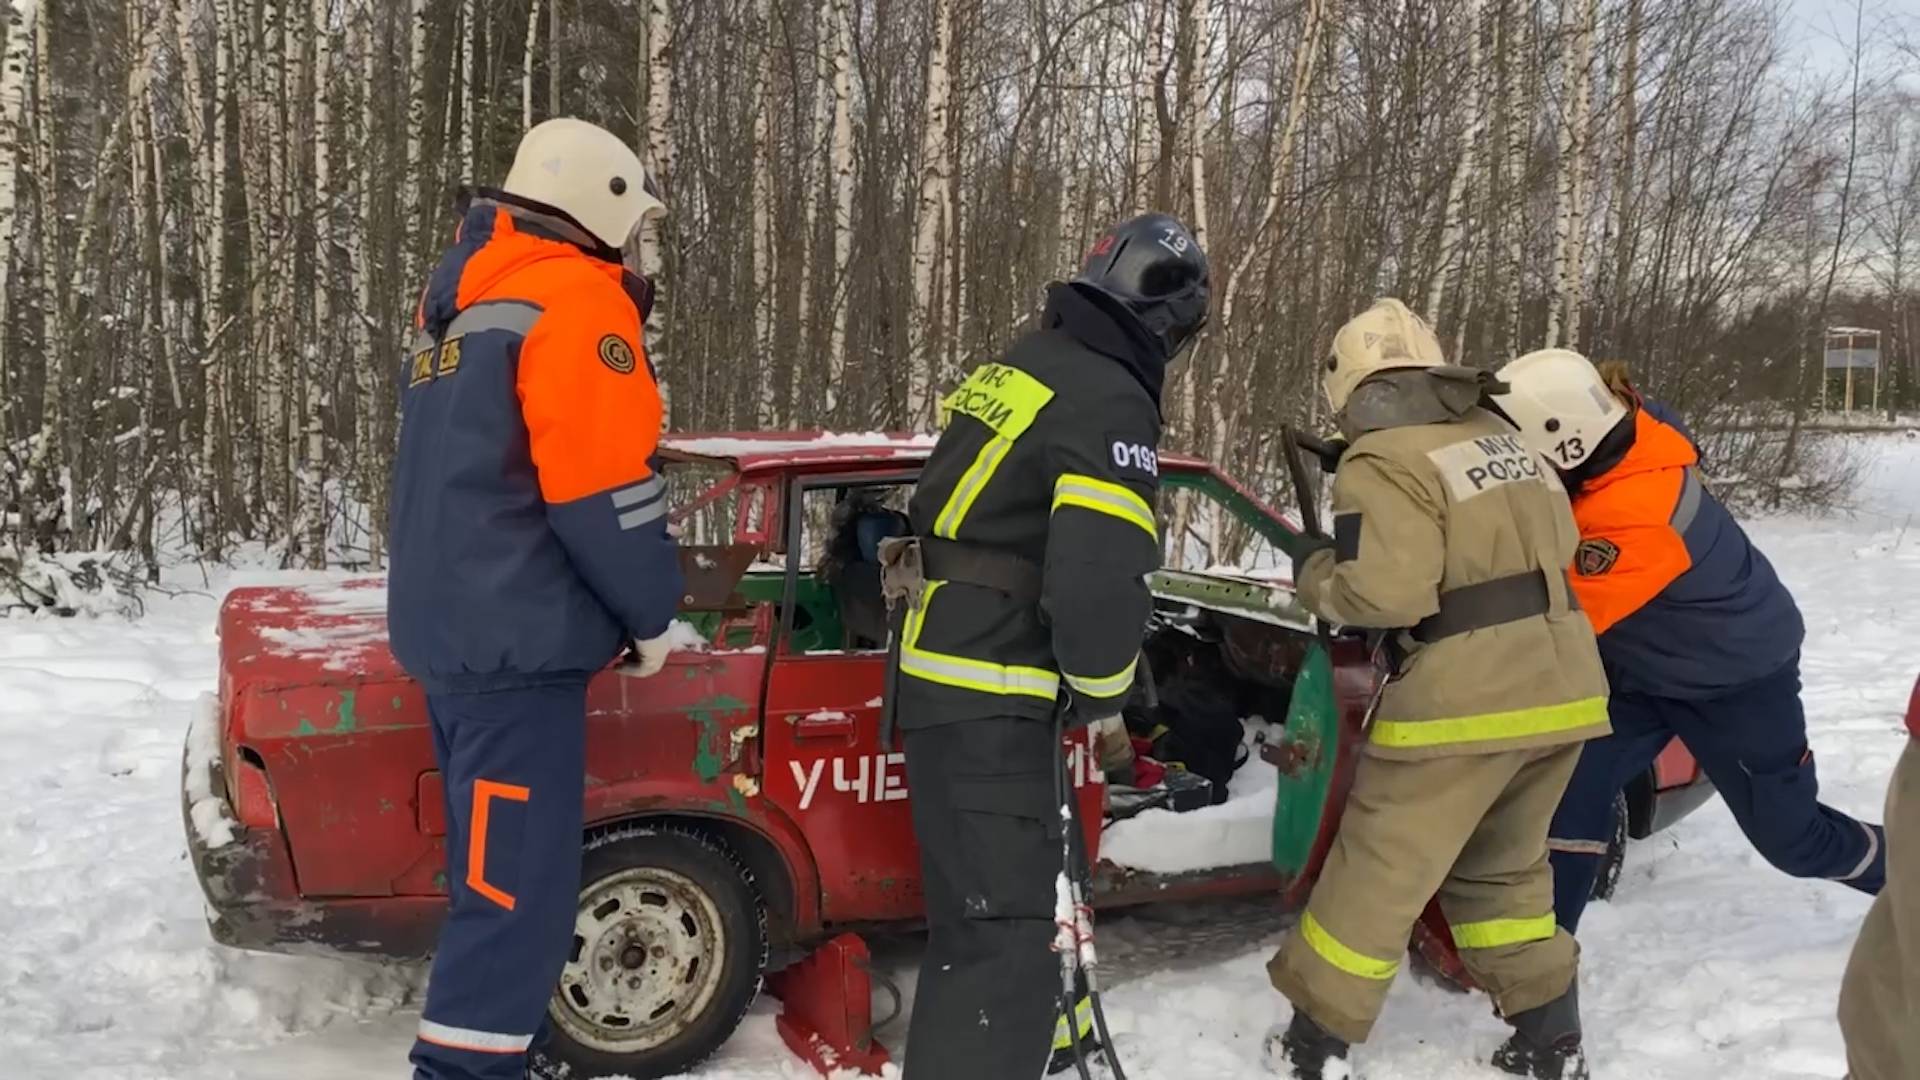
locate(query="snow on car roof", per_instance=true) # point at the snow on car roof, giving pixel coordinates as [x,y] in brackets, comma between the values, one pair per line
[749,450]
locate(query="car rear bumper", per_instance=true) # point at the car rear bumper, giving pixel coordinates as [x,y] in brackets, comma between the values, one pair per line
[253,897]
[1671,805]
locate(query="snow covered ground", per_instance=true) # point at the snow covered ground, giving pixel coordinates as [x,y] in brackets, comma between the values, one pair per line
[1709,964]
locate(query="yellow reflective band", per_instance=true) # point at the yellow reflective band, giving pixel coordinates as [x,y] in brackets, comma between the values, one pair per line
[964,672]
[1004,398]
[1073,489]
[1082,1022]
[1111,686]
[971,484]
[1490,727]
[1497,932]
[1330,950]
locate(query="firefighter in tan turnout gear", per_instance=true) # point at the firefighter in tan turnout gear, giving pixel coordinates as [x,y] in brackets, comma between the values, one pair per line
[1451,537]
[1035,529]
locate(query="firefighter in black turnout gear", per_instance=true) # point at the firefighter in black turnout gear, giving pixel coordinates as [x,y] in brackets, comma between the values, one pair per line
[1035,531]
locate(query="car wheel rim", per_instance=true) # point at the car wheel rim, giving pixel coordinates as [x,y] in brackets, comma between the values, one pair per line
[646,961]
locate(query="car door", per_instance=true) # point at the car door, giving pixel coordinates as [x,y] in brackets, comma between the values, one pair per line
[1333,677]
[825,765]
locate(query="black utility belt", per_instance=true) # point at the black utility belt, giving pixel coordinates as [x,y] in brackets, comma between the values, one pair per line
[1489,603]
[977,564]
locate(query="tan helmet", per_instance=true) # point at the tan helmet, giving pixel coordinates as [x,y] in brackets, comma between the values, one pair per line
[1385,337]
[588,173]
[1561,404]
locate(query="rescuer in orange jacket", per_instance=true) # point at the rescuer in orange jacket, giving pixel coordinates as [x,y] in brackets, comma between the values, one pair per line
[529,544]
[1699,637]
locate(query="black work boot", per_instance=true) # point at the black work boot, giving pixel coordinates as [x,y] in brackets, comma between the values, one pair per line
[1546,1042]
[1307,1051]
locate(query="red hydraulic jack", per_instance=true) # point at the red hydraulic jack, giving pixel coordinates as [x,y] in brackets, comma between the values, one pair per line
[826,1013]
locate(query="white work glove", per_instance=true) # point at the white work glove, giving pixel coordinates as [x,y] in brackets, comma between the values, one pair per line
[650,656]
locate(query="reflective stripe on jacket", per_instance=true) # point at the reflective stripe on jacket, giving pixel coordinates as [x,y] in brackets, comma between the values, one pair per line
[528,525]
[1685,605]
[1426,509]
[1050,455]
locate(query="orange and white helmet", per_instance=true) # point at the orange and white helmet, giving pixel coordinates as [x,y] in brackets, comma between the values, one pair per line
[1560,403]
[588,173]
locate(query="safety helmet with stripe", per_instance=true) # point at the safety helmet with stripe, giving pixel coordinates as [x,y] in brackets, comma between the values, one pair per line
[1561,405]
[587,173]
[1153,266]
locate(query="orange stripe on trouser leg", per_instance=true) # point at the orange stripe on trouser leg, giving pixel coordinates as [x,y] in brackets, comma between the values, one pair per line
[484,792]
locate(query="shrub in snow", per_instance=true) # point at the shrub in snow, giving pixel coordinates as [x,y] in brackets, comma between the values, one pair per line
[76,583]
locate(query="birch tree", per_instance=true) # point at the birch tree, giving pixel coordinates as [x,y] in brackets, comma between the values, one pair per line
[52,454]
[411,206]
[468,99]
[526,64]
[1578,19]
[13,99]
[929,212]
[1453,216]
[659,68]
[1518,103]
[772,404]
[840,165]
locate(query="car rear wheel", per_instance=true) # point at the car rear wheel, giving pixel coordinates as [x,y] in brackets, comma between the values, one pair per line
[668,946]
[1615,860]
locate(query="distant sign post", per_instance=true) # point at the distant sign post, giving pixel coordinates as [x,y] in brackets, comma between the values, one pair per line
[1849,350]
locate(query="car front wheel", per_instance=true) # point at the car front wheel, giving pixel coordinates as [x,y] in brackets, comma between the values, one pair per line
[668,945]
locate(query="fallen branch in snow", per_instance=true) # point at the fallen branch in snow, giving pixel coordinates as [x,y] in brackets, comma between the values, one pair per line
[83,583]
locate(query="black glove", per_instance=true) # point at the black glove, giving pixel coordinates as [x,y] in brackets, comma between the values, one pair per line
[1309,545]
[1329,451]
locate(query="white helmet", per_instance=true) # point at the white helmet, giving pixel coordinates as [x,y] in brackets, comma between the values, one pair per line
[586,172]
[1385,337]
[1562,405]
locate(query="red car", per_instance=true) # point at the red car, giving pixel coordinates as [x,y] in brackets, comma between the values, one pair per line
[740,808]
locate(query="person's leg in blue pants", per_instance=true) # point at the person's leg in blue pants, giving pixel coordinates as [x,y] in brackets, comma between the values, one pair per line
[1583,824]
[513,766]
[1753,746]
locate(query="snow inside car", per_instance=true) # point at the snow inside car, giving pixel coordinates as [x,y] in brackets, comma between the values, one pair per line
[742,814]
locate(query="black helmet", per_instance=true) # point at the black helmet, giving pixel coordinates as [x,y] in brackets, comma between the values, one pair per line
[1154,267]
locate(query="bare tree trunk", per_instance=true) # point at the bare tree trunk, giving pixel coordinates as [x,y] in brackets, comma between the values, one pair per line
[1620,212]
[659,73]
[13,101]
[52,456]
[771,409]
[313,466]
[1192,40]
[1306,53]
[1196,96]
[1519,106]
[555,105]
[411,210]
[526,65]
[816,185]
[1146,136]
[1453,223]
[929,213]
[840,161]
[469,99]
[1577,29]
[139,162]
[367,366]
[217,493]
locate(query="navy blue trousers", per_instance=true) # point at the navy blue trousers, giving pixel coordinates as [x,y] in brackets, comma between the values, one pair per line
[513,765]
[1752,743]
